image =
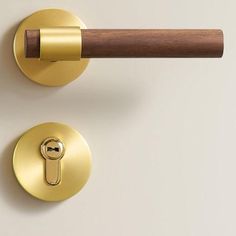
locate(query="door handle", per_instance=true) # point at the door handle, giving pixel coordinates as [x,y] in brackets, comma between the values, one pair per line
[52,47]
[74,43]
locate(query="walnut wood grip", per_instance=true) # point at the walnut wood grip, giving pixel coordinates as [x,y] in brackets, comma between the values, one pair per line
[110,43]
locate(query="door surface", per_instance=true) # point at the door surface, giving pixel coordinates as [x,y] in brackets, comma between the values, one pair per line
[162,131]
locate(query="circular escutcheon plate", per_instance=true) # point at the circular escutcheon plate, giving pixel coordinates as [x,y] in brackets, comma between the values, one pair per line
[29,164]
[45,72]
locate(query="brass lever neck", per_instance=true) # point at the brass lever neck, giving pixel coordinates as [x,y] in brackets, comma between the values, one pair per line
[54,44]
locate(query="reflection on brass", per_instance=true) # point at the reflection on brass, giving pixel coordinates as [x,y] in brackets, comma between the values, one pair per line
[60,44]
[52,149]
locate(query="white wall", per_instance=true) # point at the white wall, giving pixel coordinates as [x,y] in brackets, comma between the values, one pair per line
[162,131]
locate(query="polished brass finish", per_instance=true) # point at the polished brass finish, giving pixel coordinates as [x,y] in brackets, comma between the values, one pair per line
[46,72]
[52,149]
[60,44]
[36,146]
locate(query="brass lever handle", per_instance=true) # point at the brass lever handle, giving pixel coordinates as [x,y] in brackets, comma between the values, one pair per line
[52,47]
[124,43]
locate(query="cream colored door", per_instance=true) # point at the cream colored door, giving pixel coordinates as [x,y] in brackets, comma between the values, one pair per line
[161,131]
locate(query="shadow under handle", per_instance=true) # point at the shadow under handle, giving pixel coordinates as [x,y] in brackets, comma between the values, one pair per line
[140,43]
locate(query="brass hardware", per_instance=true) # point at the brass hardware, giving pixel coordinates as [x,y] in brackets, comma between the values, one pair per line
[51,46]
[60,44]
[52,149]
[44,71]
[52,161]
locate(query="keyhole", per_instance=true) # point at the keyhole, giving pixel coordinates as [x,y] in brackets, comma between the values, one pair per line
[52,149]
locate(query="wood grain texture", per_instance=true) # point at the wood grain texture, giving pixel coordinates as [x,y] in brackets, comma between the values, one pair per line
[32,43]
[152,43]
[124,43]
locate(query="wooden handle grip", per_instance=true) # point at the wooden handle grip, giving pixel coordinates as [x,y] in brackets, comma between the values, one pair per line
[123,43]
